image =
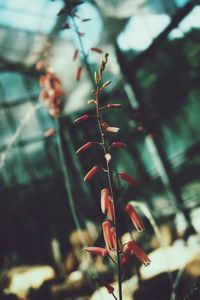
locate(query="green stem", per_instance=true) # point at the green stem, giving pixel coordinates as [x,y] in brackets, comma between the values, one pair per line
[112,259]
[114,296]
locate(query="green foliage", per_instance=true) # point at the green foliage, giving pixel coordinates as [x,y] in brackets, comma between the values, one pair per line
[173,72]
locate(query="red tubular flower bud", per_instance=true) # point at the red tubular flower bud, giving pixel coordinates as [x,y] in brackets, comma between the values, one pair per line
[106,84]
[112,129]
[81,119]
[113,105]
[118,145]
[84,147]
[107,205]
[108,235]
[137,222]
[78,73]
[97,250]
[91,173]
[75,55]
[104,200]
[132,181]
[139,253]
[96,50]
[109,287]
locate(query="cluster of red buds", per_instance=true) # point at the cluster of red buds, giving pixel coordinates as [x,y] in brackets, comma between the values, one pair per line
[74,22]
[118,253]
[51,89]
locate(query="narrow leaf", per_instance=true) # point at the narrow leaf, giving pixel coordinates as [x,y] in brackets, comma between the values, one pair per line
[86,20]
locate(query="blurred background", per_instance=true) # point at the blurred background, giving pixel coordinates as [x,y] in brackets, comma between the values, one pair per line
[47,212]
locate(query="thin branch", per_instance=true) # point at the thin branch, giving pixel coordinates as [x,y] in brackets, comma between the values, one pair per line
[82,49]
[114,296]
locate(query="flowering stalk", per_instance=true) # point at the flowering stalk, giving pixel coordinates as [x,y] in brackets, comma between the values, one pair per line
[108,201]
[109,173]
[82,49]
[74,21]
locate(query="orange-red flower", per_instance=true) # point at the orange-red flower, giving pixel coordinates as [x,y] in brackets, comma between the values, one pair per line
[118,145]
[104,199]
[112,129]
[91,173]
[139,253]
[107,205]
[96,50]
[137,222]
[97,250]
[108,235]
[132,181]
[113,105]
[51,90]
